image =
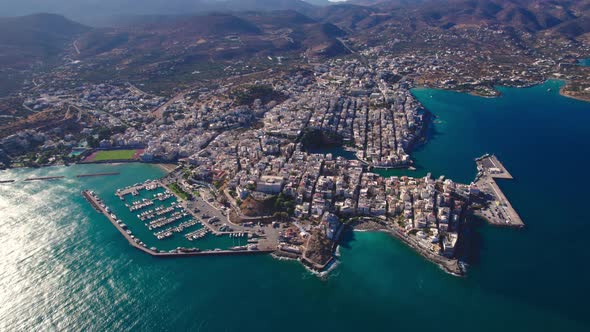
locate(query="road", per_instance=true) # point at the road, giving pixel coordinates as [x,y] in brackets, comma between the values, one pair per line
[159,111]
[75,43]
[346,46]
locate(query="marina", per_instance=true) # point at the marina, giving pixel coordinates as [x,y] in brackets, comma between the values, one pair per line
[157,217]
[98,204]
[164,214]
[198,234]
[134,189]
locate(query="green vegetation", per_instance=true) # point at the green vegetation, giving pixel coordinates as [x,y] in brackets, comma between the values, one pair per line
[401,221]
[279,206]
[103,133]
[114,155]
[281,216]
[263,92]
[317,138]
[284,205]
[178,191]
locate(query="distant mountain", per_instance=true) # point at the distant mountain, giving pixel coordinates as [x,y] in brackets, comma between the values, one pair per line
[320,2]
[563,18]
[351,17]
[101,12]
[266,5]
[531,16]
[316,38]
[214,37]
[38,37]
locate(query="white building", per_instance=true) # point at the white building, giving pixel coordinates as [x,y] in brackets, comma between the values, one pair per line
[270,184]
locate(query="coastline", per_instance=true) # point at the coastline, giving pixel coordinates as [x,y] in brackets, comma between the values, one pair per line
[564,93]
[168,168]
[562,89]
[448,265]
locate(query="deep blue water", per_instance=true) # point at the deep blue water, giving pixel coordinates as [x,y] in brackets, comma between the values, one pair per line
[65,267]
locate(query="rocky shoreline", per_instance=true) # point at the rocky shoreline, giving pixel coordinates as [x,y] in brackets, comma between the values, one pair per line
[450,266]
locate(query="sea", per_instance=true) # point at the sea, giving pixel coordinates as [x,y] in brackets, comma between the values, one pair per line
[64,266]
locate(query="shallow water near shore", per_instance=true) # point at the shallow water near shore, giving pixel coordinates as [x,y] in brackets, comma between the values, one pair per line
[65,267]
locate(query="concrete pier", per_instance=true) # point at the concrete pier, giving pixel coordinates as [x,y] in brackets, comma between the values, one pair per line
[136,188]
[499,211]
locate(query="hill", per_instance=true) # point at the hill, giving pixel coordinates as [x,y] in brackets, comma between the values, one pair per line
[165,51]
[32,40]
[215,36]
[40,37]
[562,18]
[106,12]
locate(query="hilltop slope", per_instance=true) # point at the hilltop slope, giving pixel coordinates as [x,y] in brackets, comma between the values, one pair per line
[37,37]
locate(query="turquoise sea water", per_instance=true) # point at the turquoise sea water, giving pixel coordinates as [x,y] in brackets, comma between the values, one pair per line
[65,267]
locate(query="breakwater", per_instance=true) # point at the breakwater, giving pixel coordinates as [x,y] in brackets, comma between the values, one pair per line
[97,174]
[57,177]
[45,178]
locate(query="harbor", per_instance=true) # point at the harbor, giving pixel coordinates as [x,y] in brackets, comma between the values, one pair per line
[178,226]
[135,242]
[211,218]
[498,211]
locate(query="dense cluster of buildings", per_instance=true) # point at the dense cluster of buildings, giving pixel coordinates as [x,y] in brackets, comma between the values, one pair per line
[256,148]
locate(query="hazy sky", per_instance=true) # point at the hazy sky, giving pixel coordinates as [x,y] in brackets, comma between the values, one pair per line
[98,12]
[77,7]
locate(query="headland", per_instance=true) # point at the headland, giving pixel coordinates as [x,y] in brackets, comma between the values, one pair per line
[426,214]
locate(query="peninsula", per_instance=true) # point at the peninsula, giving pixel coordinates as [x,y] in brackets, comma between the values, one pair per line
[276,123]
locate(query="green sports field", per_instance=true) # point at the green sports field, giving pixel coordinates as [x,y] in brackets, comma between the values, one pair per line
[114,155]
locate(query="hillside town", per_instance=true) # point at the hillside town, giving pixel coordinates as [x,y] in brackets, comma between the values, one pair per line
[300,147]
